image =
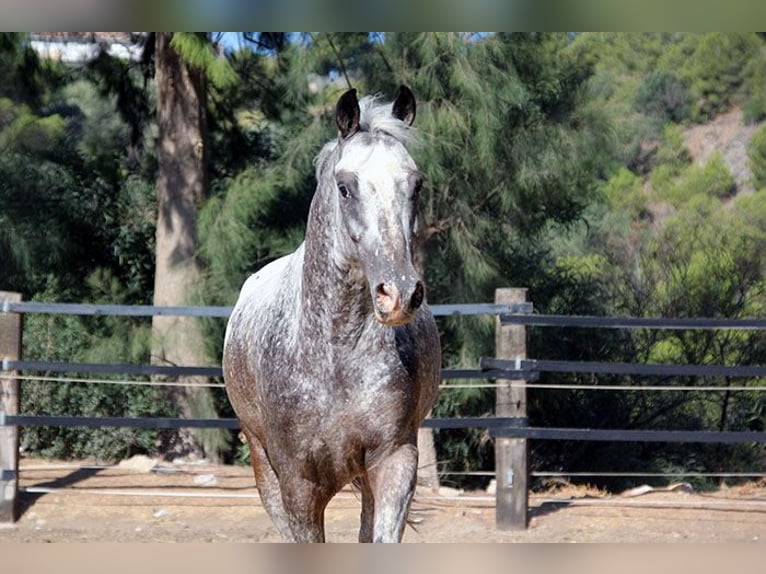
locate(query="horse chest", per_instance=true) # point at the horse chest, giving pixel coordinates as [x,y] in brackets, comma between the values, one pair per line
[330,395]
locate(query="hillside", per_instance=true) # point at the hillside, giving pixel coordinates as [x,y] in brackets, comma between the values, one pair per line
[727,134]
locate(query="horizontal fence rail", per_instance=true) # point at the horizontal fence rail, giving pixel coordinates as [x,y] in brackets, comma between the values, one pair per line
[531,320]
[513,369]
[223,312]
[615,435]
[115,369]
[174,371]
[489,368]
[113,310]
[499,427]
[516,314]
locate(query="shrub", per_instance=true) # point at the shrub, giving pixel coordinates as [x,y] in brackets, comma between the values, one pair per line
[672,148]
[624,191]
[714,179]
[664,95]
[93,340]
[716,70]
[754,107]
[756,154]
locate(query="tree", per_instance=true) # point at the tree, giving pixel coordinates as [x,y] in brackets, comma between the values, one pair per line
[183,64]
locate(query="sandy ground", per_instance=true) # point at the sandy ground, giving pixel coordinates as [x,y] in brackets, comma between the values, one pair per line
[137,502]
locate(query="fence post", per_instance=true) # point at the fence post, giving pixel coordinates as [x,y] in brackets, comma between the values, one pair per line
[511,401]
[10,349]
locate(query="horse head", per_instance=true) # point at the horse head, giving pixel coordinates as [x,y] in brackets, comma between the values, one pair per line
[377,185]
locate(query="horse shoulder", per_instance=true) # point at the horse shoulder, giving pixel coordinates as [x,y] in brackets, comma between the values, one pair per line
[263,298]
[265,282]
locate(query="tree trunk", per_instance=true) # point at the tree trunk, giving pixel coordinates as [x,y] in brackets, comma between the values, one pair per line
[181,187]
[428,470]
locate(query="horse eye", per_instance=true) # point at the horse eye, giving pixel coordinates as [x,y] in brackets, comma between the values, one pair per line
[416,189]
[343,189]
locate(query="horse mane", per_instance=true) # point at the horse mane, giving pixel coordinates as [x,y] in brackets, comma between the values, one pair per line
[375,119]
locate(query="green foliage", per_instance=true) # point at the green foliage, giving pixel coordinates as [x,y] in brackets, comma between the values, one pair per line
[24,77]
[708,262]
[199,52]
[670,161]
[629,53]
[624,191]
[24,132]
[749,216]
[680,76]
[100,132]
[132,222]
[672,150]
[663,95]
[698,267]
[97,340]
[703,261]
[756,154]
[713,66]
[713,179]
[754,88]
[74,228]
[501,149]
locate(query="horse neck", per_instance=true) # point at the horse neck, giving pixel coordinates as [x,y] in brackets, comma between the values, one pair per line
[334,293]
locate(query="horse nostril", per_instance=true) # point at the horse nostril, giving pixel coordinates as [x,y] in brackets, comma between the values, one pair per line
[387,297]
[417,295]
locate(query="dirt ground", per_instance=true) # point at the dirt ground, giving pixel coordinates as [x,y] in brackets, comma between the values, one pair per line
[144,501]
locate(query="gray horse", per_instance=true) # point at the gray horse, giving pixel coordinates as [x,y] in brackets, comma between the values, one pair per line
[332,357]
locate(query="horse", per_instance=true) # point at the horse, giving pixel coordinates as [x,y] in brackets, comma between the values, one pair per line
[331,355]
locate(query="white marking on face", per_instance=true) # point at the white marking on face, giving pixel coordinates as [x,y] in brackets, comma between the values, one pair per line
[385,168]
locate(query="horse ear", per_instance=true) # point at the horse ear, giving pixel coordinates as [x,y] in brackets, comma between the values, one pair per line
[347,114]
[404,106]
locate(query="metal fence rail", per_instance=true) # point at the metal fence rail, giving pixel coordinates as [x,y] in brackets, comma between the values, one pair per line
[499,427]
[466,309]
[489,368]
[716,323]
[509,369]
[174,371]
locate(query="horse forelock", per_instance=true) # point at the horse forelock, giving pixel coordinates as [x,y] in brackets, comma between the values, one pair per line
[377,118]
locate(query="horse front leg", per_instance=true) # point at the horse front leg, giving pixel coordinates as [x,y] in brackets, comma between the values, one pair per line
[294,505]
[368,509]
[268,486]
[393,482]
[304,503]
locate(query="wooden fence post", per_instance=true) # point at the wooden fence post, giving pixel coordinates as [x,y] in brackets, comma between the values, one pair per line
[511,401]
[10,349]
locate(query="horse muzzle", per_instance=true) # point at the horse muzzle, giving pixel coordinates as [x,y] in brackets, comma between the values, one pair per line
[394,305]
